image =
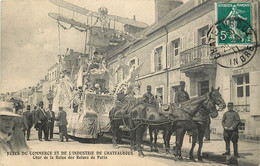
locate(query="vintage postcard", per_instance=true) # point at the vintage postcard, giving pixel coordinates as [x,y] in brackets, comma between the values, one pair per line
[133,82]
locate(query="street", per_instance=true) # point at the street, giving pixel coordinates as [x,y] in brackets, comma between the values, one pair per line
[94,153]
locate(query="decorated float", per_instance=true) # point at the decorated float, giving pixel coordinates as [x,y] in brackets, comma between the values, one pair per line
[90,94]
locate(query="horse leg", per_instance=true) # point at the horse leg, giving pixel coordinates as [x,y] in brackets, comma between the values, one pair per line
[179,140]
[200,137]
[166,137]
[132,137]
[155,140]
[139,137]
[114,133]
[151,137]
[194,141]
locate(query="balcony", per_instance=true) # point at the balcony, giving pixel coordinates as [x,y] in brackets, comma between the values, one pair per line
[197,59]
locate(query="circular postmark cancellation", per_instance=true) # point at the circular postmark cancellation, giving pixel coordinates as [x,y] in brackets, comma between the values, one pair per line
[230,42]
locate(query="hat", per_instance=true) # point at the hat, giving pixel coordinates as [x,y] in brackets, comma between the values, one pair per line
[182,83]
[230,104]
[6,109]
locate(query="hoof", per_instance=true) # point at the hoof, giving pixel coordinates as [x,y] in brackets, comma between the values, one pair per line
[141,154]
[200,158]
[115,146]
[180,157]
[167,152]
[192,158]
[156,150]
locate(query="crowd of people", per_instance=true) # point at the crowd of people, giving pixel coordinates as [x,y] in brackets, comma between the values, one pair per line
[16,125]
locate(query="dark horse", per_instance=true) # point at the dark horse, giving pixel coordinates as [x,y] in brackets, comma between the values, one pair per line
[197,125]
[189,117]
[119,120]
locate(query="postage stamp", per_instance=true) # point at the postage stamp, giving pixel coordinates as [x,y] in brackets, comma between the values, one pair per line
[234,22]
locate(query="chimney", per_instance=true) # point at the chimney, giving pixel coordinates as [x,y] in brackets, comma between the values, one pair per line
[163,7]
[134,17]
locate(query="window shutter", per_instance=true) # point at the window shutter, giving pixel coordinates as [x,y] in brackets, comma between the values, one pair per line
[164,56]
[195,38]
[169,55]
[226,89]
[254,81]
[152,61]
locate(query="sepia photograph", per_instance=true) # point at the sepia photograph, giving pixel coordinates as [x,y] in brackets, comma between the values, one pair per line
[129,82]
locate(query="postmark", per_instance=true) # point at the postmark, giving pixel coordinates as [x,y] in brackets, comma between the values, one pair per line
[234,29]
[232,54]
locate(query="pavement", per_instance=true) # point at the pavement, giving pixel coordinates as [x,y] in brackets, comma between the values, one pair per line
[249,151]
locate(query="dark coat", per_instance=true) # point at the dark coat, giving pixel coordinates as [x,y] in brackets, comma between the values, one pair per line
[62,118]
[51,117]
[41,116]
[29,118]
[181,96]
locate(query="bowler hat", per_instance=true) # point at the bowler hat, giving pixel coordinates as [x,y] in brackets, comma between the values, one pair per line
[6,109]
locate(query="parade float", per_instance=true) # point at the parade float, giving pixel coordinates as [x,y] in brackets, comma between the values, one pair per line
[90,94]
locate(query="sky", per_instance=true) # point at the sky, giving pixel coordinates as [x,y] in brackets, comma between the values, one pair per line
[30,40]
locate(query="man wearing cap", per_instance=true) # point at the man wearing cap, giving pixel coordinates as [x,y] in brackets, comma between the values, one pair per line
[62,123]
[181,95]
[230,122]
[6,126]
[42,120]
[148,97]
[29,119]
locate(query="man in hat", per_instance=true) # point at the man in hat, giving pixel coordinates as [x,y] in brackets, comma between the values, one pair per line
[230,122]
[6,126]
[51,117]
[29,119]
[148,97]
[42,120]
[181,95]
[62,123]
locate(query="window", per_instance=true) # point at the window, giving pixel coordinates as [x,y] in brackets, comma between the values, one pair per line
[203,35]
[175,51]
[158,58]
[203,87]
[132,63]
[241,127]
[243,87]
[159,95]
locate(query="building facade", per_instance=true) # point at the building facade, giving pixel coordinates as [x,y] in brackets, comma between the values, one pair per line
[176,49]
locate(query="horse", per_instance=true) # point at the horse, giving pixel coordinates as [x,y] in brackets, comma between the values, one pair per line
[143,114]
[119,120]
[198,123]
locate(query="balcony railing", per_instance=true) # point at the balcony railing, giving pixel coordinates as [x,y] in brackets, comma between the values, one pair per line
[198,55]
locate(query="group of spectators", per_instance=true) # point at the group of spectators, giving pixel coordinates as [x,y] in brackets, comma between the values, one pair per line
[16,125]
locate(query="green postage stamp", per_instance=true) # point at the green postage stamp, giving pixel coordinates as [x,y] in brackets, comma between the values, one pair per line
[233,24]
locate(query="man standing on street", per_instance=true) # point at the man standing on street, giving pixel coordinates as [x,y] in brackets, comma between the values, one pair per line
[181,95]
[42,120]
[6,126]
[51,117]
[230,122]
[148,97]
[29,119]
[62,123]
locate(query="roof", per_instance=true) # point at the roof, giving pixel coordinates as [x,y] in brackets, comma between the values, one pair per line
[171,16]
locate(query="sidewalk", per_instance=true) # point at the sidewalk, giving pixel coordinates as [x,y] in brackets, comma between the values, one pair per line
[213,149]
